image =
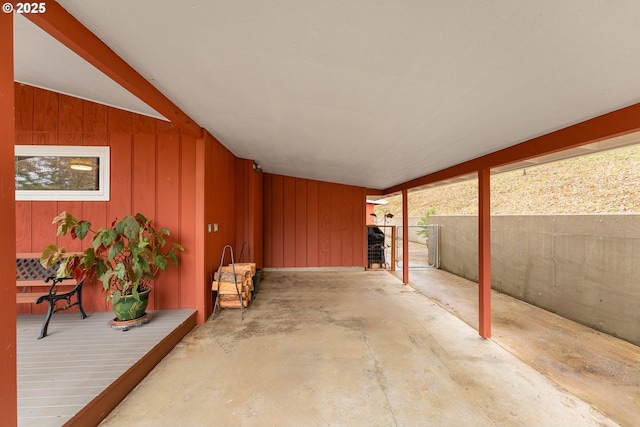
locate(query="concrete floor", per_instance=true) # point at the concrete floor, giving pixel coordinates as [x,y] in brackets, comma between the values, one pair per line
[345,349]
[598,368]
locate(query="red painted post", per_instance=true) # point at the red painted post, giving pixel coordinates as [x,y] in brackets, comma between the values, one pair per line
[203,248]
[8,367]
[484,251]
[405,237]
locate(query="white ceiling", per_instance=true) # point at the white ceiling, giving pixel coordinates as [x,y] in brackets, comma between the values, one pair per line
[370,93]
[42,61]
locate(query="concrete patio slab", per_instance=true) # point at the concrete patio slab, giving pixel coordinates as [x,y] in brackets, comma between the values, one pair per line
[347,349]
[602,370]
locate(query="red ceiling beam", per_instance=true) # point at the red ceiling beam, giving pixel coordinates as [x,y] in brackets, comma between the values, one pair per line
[616,123]
[61,25]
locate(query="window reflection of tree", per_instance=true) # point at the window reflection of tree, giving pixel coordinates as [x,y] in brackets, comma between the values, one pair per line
[54,173]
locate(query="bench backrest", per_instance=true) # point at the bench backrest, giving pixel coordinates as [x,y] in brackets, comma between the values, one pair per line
[31,269]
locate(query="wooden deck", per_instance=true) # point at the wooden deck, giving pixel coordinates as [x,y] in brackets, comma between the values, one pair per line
[76,374]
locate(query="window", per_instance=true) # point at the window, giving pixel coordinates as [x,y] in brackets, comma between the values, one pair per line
[54,172]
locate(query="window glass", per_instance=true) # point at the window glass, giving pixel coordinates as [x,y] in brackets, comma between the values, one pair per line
[61,172]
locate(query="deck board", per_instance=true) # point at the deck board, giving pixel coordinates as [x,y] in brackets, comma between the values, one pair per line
[62,373]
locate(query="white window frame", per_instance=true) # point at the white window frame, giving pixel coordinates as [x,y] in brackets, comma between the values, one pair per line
[102,152]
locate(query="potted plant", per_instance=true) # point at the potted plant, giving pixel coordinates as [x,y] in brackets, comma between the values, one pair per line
[125,257]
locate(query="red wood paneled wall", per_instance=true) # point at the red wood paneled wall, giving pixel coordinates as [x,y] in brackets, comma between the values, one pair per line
[152,171]
[233,203]
[183,183]
[249,212]
[313,224]
[220,209]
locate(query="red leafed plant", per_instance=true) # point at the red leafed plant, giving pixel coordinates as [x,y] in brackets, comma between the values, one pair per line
[124,257]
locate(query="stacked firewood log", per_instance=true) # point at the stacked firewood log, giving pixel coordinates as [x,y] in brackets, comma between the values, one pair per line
[230,285]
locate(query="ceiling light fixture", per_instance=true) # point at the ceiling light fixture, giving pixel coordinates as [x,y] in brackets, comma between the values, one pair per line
[81,165]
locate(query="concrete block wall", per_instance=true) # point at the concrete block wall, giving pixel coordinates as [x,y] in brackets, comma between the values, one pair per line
[582,267]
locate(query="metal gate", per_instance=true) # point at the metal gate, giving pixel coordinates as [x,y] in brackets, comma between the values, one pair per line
[424,246]
[381,250]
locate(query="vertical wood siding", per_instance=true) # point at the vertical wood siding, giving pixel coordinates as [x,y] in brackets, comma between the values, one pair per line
[152,171]
[256,209]
[312,224]
[189,234]
[231,190]
[248,212]
[301,222]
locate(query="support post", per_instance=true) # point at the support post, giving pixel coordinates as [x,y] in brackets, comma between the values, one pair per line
[394,248]
[204,261]
[8,364]
[405,237]
[484,251]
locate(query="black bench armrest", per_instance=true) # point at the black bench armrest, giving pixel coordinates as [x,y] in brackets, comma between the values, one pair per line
[55,281]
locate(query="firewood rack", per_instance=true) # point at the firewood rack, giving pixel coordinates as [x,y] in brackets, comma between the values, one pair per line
[233,267]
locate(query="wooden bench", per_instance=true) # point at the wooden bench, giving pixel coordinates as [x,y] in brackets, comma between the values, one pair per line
[30,273]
